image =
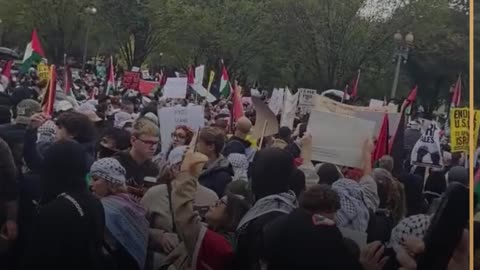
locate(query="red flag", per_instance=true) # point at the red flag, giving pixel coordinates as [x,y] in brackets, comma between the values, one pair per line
[237,110]
[355,82]
[7,69]
[163,79]
[190,76]
[412,96]
[49,97]
[382,145]
[457,92]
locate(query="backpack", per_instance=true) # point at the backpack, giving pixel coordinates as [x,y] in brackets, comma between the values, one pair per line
[380,226]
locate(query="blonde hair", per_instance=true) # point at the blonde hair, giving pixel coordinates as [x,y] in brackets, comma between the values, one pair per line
[116,188]
[144,126]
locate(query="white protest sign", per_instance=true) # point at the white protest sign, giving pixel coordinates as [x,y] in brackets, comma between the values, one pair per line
[203,92]
[171,117]
[289,109]
[276,101]
[199,74]
[376,103]
[339,139]
[175,88]
[145,74]
[427,152]
[306,99]
[135,69]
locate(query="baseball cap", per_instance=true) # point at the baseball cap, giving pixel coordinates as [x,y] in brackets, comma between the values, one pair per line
[26,109]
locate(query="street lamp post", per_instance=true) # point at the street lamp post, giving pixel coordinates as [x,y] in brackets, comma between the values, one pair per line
[402,49]
[89,11]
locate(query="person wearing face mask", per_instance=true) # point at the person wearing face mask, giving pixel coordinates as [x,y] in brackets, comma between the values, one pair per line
[113,141]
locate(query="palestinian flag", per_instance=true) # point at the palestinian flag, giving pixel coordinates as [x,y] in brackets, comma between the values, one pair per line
[33,53]
[49,96]
[225,88]
[111,78]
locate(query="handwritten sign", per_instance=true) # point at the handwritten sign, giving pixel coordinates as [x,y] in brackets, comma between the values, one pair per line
[306,99]
[170,117]
[131,80]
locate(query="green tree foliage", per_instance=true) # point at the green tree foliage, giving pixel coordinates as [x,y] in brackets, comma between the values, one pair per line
[271,43]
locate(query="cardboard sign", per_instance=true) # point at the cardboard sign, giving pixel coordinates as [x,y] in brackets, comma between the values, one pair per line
[146,87]
[276,101]
[427,152]
[131,80]
[306,99]
[171,117]
[175,88]
[459,129]
[263,113]
[339,139]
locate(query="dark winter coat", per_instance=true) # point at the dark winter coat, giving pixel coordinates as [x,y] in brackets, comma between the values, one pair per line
[217,175]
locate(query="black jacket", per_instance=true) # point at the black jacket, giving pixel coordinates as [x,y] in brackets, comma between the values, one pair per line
[66,235]
[235,145]
[136,173]
[14,135]
[295,242]
[217,176]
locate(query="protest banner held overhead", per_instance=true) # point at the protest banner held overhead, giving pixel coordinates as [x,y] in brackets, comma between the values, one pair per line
[339,139]
[427,151]
[175,88]
[459,129]
[306,99]
[170,117]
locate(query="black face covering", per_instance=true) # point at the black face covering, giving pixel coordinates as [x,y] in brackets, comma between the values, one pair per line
[104,152]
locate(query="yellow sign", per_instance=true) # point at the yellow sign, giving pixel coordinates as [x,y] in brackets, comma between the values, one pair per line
[459,125]
[43,73]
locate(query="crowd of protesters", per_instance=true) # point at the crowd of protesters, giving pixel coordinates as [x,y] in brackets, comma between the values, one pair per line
[89,187]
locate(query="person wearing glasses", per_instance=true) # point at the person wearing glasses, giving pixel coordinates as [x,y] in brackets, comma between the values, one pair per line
[182,135]
[141,172]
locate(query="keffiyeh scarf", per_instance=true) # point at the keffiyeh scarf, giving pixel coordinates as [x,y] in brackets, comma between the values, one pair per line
[353,213]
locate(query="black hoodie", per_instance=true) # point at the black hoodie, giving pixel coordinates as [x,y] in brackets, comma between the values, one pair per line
[70,224]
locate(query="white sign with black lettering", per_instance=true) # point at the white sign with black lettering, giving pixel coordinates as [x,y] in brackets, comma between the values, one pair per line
[306,99]
[427,152]
[171,117]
